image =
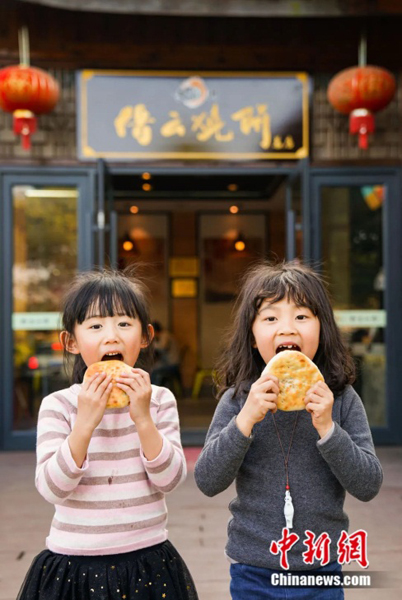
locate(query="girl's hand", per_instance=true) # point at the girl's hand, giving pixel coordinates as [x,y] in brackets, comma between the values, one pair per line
[137,386]
[319,401]
[92,400]
[263,397]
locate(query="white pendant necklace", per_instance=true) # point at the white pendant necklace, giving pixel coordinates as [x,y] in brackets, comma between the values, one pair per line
[289,510]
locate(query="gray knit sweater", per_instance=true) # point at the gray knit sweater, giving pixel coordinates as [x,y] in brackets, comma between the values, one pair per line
[319,474]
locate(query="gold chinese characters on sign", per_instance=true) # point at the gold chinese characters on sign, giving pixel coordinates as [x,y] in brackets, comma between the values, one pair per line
[137,121]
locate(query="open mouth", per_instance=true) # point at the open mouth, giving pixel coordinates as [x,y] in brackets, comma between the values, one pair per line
[113,356]
[282,347]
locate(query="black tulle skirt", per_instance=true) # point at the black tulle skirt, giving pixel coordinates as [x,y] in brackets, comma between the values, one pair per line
[152,573]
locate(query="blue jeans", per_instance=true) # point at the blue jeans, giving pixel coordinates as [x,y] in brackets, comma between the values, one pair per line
[254,583]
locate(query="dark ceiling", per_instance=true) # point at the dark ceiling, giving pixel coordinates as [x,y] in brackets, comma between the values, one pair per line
[197,186]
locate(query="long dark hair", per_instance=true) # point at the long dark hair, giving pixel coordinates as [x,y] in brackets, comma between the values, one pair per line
[105,292]
[242,364]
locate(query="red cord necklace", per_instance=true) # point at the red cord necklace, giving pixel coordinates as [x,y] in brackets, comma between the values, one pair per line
[289,509]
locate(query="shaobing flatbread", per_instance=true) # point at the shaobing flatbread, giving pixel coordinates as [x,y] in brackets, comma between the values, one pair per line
[296,374]
[118,398]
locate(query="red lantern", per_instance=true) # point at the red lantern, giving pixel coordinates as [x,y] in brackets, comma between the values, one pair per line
[26,91]
[361,91]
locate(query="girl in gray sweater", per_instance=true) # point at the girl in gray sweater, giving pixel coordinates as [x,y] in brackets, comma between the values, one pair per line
[310,457]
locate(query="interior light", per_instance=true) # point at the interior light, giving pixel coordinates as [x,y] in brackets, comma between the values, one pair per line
[233,187]
[234,210]
[146,176]
[134,209]
[128,245]
[147,187]
[239,243]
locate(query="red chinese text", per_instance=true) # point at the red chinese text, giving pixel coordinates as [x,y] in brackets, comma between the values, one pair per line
[316,549]
[353,547]
[283,546]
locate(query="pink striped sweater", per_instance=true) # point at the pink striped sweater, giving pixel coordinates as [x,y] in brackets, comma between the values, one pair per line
[116,502]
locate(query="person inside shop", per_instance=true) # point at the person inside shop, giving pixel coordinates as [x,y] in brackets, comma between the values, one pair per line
[167,357]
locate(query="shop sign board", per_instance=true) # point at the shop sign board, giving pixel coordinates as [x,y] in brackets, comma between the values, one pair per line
[125,115]
[36,321]
[361,318]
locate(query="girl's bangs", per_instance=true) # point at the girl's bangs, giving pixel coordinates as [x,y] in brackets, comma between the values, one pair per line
[105,300]
[288,285]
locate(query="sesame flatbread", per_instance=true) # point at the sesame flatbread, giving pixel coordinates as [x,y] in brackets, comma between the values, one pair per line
[118,398]
[296,374]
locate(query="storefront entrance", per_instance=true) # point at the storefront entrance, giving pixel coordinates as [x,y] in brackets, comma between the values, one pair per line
[195,232]
[195,237]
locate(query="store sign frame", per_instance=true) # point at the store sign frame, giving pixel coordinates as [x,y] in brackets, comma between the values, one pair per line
[36,321]
[124,115]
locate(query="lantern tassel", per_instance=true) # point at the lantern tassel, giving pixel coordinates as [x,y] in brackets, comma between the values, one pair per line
[361,122]
[25,126]
[363,138]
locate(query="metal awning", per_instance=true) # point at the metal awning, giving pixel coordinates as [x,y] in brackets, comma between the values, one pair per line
[230,8]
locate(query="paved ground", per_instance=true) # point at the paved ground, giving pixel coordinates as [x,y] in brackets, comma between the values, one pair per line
[197,527]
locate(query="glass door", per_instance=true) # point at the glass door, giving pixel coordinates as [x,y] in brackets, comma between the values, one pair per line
[354,238]
[45,241]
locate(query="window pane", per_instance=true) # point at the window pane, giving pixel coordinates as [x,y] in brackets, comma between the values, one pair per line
[352,249]
[44,262]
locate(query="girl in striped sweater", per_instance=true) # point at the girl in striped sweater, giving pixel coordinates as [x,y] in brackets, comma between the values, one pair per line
[107,472]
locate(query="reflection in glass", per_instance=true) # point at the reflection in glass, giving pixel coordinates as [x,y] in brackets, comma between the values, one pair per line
[352,250]
[143,239]
[44,262]
[223,261]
